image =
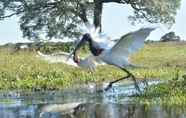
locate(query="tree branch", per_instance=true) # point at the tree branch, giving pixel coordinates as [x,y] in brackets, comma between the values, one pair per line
[106,1]
[10,15]
[118,1]
[138,9]
[20,10]
[98,7]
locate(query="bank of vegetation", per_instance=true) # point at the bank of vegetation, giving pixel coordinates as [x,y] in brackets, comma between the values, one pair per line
[23,70]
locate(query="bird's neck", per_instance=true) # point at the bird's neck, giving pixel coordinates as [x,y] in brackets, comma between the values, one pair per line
[95,49]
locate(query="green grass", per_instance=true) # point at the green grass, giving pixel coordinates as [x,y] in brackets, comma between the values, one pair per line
[164,61]
[171,94]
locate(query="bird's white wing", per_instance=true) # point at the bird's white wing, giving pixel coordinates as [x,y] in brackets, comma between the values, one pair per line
[61,57]
[130,42]
[88,63]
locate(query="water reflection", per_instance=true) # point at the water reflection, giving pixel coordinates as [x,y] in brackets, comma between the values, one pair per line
[127,111]
[92,110]
[85,102]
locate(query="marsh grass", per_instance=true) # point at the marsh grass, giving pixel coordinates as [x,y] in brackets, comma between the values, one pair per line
[23,70]
[163,61]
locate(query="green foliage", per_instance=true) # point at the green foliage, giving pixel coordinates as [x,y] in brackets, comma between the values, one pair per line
[156,11]
[23,70]
[164,61]
[46,19]
[171,92]
[49,48]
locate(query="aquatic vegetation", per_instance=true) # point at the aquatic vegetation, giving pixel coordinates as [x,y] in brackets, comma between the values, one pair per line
[171,92]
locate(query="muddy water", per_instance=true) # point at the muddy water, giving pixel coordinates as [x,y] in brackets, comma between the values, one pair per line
[84,102]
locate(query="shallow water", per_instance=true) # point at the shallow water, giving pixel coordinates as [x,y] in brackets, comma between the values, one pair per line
[84,102]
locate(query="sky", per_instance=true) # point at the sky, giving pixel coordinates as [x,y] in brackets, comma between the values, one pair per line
[115,23]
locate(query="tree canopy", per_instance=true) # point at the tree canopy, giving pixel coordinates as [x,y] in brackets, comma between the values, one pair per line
[63,18]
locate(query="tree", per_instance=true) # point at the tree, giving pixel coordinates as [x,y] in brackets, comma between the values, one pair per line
[171,36]
[59,18]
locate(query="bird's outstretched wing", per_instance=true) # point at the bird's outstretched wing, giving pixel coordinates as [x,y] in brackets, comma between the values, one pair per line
[60,57]
[89,63]
[130,42]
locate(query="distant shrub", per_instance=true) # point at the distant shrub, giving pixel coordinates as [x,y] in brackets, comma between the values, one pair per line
[171,36]
[47,47]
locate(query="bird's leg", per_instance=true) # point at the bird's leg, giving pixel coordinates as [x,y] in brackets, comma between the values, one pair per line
[133,78]
[128,75]
[112,82]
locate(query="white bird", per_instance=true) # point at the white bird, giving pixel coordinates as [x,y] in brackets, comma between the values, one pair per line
[115,53]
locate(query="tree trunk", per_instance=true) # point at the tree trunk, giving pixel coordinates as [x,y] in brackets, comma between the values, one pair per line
[98,7]
[83,14]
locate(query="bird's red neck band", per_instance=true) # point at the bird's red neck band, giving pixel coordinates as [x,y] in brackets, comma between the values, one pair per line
[98,51]
[77,60]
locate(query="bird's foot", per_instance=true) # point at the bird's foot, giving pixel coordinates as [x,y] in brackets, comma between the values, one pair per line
[136,85]
[138,89]
[109,86]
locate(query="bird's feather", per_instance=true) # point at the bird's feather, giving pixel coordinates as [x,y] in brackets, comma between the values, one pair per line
[130,43]
[90,62]
[60,57]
